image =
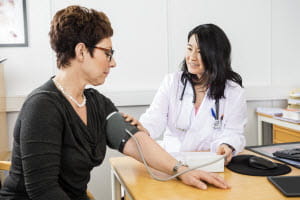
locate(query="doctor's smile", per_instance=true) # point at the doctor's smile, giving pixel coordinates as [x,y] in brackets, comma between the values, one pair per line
[194,65]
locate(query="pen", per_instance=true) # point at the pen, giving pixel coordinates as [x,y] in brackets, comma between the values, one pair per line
[213,113]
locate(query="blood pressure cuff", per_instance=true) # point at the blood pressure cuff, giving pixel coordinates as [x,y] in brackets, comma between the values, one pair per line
[292,154]
[116,135]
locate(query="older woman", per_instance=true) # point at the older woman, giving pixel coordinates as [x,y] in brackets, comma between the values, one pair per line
[60,133]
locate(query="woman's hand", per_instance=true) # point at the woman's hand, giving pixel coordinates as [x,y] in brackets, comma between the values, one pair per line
[199,178]
[134,122]
[224,149]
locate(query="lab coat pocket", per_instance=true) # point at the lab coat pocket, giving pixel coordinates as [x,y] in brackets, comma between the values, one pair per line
[217,132]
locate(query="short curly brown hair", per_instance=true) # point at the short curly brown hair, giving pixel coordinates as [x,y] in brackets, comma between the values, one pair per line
[73,25]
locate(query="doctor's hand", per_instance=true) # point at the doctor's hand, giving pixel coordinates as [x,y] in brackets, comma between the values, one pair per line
[224,149]
[134,122]
[199,178]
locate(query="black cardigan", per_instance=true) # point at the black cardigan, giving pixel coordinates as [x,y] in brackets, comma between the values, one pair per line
[53,150]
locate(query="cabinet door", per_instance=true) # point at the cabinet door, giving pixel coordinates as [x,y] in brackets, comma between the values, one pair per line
[282,135]
[3,125]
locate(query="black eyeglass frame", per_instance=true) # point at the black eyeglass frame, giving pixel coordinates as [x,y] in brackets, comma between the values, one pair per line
[108,52]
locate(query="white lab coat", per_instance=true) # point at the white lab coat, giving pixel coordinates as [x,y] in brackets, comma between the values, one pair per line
[167,113]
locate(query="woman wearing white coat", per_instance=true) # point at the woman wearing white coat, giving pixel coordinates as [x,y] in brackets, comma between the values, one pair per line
[202,107]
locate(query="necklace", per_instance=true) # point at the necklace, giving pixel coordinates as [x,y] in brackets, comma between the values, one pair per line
[80,105]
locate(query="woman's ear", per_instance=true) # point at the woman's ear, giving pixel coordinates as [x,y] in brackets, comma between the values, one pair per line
[80,50]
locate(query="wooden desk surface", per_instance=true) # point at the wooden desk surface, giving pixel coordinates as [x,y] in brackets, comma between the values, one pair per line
[265,115]
[142,187]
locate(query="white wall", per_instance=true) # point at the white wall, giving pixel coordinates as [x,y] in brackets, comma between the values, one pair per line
[250,48]
[150,38]
[285,43]
[28,67]
[139,40]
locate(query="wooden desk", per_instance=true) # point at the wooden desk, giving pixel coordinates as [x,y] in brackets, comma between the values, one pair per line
[138,185]
[292,128]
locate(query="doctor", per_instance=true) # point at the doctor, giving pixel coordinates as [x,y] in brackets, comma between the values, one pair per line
[202,107]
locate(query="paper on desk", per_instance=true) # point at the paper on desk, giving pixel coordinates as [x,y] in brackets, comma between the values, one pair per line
[287,120]
[194,159]
[294,101]
[295,93]
[270,111]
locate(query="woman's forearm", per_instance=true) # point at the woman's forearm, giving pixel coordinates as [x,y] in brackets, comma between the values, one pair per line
[154,154]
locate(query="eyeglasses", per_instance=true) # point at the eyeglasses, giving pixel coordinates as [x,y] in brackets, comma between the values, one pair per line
[108,52]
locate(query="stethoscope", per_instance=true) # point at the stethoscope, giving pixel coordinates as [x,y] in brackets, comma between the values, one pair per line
[215,113]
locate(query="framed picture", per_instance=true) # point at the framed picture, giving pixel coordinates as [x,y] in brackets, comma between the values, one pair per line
[13,23]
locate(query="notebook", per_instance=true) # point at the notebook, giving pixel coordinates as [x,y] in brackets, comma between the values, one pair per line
[288,185]
[194,159]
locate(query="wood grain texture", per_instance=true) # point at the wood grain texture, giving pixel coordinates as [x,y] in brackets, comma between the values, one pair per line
[142,187]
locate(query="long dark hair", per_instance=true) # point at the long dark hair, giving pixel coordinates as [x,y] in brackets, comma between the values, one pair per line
[215,51]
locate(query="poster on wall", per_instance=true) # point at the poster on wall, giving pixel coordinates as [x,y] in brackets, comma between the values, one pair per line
[13,23]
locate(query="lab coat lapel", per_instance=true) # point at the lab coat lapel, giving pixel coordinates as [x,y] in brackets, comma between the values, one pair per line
[200,127]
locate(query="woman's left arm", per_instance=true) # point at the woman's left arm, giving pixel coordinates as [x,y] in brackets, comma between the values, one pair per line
[232,140]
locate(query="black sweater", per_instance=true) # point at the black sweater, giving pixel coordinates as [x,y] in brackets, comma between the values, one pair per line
[53,150]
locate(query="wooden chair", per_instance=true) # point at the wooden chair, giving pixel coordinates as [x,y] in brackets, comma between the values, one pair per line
[5,165]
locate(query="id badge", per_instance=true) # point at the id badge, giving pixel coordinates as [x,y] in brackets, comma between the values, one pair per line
[217,124]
